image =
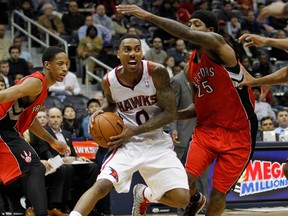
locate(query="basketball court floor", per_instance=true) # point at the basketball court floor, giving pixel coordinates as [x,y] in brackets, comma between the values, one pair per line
[275,211]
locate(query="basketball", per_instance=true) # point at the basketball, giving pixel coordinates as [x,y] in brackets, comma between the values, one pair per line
[104,126]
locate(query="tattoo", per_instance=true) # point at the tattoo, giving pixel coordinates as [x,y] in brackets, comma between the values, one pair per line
[165,99]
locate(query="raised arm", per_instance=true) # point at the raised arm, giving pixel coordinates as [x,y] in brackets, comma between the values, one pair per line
[173,27]
[257,40]
[30,87]
[210,41]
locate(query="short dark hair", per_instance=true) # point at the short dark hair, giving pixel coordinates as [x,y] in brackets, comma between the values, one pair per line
[128,36]
[89,29]
[265,118]
[50,53]
[281,110]
[14,47]
[207,17]
[4,62]
[92,100]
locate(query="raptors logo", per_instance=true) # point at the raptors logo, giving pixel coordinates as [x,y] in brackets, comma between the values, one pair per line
[26,156]
[114,174]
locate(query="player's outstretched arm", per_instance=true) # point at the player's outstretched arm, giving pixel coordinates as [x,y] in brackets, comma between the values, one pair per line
[37,129]
[277,9]
[208,40]
[257,40]
[278,77]
[29,87]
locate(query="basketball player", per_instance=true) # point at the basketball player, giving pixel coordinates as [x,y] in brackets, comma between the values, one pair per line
[140,92]
[226,123]
[19,105]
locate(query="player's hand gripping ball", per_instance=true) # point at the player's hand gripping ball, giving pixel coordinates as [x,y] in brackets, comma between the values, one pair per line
[104,126]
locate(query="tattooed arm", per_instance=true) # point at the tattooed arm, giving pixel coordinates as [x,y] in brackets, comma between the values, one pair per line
[165,100]
[214,44]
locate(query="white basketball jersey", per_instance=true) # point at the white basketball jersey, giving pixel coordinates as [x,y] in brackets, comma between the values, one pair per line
[136,104]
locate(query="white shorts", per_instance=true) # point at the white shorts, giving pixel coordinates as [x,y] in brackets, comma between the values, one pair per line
[156,161]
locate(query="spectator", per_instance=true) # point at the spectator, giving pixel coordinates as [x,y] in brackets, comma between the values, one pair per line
[226,12]
[17,65]
[24,54]
[99,96]
[4,71]
[262,108]
[251,24]
[100,17]
[51,22]
[166,10]
[182,15]
[182,129]
[39,5]
[2,83]
[144,46]
[233,26]
[70,122]
[245,61]
[169,63]
[72,21]
[102,31]
[179,53]
[58,184]
[188,5]
[69,86]
[120,24]
[5,43]
[92,106]
[279,54]
[266,124]
[91,45]
[156,53]
[262,65]
[282,120]
[80,178]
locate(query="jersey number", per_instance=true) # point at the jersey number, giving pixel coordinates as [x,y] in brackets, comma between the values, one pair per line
[206,88]
[141,117]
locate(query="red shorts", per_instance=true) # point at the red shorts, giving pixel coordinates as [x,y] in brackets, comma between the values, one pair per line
[231,149]
[16,156]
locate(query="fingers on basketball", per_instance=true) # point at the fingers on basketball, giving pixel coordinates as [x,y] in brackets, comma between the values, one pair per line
[104,126]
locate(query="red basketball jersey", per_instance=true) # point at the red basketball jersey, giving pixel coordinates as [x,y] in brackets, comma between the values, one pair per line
[218,103]
[14,114]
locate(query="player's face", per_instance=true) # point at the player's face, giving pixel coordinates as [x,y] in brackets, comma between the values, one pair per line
[130,54]
[58,67]
[197,25]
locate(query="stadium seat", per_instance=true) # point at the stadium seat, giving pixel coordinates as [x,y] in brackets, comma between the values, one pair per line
[79,102]
[53,101]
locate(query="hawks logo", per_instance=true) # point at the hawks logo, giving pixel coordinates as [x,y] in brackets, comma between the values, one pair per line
[114,174]
[26,156]
[147,84]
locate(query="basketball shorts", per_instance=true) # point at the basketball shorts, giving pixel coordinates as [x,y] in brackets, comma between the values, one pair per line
[231,149]
[156,161]
[16,156]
